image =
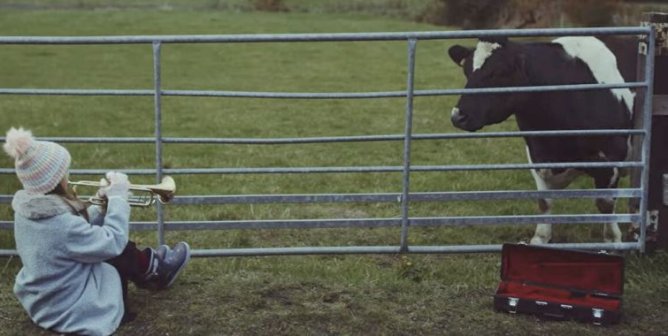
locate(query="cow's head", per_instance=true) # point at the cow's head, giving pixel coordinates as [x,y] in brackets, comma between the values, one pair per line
[495,62]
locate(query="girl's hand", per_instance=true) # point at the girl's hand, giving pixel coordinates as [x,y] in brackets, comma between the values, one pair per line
[118,186]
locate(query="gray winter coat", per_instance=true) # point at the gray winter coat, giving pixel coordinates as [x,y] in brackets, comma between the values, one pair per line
[64,285]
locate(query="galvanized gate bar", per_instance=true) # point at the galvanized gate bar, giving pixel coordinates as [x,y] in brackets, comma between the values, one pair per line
[414,196]
[322,37]
[358,169]
[375,222]
[75,92]
[396,197]
[354,138]
[394,137]
[398,94]
[269,251]
[396,222]
[307,95]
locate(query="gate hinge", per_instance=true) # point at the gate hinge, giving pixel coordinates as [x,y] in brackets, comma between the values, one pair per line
[652,232]
[652,221]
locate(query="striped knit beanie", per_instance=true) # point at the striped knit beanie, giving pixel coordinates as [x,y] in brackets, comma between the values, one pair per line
[40,165]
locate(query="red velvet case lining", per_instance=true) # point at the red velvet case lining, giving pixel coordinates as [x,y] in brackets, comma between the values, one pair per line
[565,276]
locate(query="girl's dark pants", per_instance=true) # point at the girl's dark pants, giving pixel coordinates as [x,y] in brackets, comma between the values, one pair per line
[131,265]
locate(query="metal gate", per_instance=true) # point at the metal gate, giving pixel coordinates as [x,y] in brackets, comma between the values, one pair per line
[405,197]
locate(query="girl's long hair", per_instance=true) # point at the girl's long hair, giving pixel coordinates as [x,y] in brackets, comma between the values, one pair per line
[78,207]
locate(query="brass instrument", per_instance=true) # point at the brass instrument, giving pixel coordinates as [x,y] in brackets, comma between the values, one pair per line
[163,192]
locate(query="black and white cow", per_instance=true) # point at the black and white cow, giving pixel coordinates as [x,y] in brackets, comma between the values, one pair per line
[498,62]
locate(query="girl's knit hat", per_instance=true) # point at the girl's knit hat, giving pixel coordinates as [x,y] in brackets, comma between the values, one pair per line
[40,165]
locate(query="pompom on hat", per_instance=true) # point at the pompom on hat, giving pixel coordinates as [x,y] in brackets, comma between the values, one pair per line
[40,165]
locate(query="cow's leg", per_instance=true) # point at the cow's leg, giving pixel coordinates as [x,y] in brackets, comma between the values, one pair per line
[611,231]
[608,178]
[543,232]
[547,179]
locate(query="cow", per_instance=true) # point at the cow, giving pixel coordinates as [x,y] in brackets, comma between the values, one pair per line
[499,62]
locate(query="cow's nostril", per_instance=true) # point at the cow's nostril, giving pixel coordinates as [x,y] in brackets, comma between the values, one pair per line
[458,118]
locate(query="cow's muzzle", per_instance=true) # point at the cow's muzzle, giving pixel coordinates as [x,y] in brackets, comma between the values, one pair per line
[458,119]
[462,121]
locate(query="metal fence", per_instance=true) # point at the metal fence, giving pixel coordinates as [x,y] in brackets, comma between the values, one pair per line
[405,196]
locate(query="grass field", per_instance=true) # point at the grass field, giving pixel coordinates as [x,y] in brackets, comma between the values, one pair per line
[306,295]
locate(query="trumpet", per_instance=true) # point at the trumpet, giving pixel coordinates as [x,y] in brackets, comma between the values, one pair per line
[163,192]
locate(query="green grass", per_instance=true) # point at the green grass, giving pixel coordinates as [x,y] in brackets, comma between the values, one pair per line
[305,295]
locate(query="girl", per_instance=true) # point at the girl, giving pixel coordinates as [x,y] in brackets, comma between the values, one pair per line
[77,260]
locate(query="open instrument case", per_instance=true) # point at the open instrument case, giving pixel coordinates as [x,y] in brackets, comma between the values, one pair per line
[561,284]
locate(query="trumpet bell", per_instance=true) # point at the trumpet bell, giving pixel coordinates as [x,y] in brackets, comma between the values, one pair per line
[165,190]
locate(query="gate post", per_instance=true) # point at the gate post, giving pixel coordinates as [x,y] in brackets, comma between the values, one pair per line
[657,199]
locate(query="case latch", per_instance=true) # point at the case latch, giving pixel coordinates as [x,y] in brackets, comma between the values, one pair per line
[512,304]
[597,315]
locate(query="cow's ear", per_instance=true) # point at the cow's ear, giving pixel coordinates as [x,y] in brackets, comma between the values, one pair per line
[458,54]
